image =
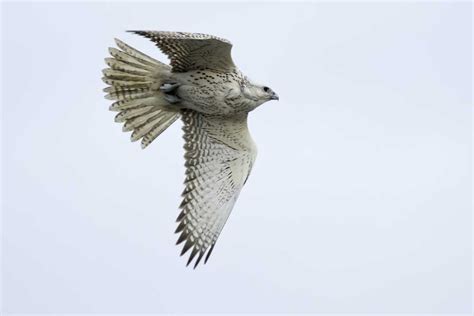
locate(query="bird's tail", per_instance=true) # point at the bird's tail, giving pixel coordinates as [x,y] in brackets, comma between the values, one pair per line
[134,80]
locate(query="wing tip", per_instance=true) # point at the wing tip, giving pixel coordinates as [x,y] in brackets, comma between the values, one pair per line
[209,253]
[196,249]
[138,32]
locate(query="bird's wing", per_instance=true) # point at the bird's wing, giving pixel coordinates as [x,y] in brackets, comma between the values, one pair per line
[192,51]
[219,155]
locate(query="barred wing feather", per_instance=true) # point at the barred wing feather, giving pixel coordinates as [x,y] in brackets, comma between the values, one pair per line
[219,155]
[193,51]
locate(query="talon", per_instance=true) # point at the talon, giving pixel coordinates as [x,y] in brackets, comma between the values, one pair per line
[172,98]
[168,87]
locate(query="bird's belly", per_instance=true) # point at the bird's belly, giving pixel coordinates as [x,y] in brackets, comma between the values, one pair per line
[209,96]
[202,99]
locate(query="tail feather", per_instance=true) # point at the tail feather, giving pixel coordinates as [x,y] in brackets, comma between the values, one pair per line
[128,84]
[121,75]
[137,122]
[137,54]
[147,126]
[132,113]
[123,67]
[134,80]
[133,61]
[158,129]
[120,93]
[128,104]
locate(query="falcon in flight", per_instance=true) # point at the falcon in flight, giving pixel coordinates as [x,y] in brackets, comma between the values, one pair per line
[204,88]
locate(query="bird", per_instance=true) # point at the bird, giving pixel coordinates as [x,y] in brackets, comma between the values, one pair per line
[202,86]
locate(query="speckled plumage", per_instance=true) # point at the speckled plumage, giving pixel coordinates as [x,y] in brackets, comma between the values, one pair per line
[203,87]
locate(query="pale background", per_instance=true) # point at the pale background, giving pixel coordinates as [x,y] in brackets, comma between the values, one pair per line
[360,199]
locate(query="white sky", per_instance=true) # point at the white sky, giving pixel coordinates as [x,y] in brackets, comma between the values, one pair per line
[359,201]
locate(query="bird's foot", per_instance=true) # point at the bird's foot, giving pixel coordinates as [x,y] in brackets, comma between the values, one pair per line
[171,98]
[169,87]
[169,90]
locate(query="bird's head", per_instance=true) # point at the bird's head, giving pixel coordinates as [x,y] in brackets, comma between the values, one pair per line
[267,93]
[259,94]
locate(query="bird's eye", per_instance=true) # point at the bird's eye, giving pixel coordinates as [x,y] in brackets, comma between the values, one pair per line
[266,89]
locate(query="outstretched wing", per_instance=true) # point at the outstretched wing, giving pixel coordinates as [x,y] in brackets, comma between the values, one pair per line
[219,156]
[192,51]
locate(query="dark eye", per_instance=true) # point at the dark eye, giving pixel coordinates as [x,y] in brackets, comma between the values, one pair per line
[266,89]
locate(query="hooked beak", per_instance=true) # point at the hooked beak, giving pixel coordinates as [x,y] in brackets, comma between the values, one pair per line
[274,97]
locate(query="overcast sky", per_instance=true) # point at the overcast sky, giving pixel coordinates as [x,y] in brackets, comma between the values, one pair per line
[359,201]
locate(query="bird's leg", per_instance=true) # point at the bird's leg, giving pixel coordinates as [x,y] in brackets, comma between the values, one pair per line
[169,89]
